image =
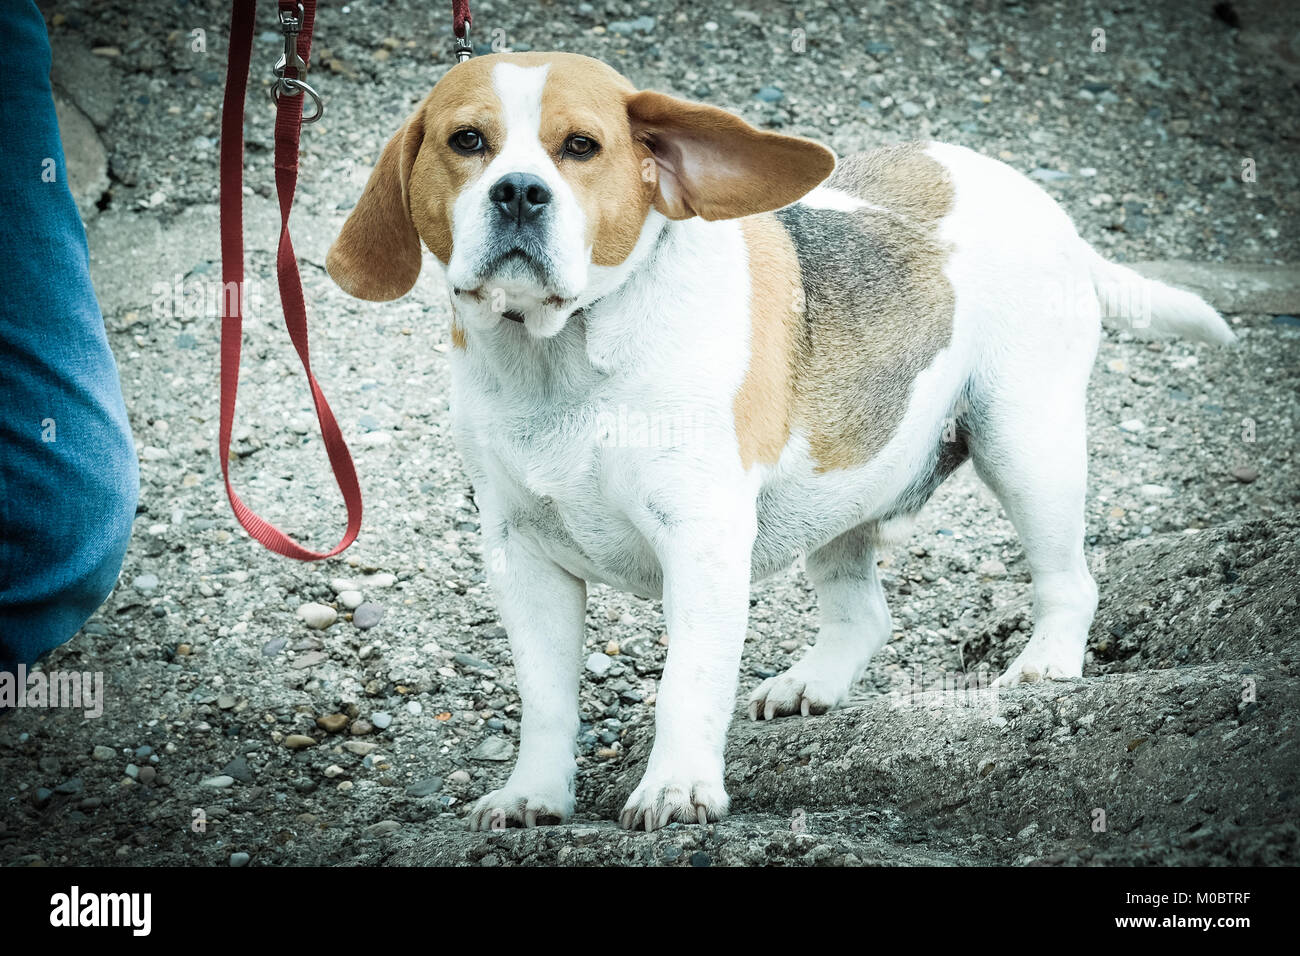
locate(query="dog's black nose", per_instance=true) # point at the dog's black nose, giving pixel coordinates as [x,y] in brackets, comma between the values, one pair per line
[520,196]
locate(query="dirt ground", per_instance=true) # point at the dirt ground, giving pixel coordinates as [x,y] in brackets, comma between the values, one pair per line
[1182,732]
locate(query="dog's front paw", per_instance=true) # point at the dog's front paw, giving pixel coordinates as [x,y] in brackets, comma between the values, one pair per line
[658,801]
[798,691]
[520,806]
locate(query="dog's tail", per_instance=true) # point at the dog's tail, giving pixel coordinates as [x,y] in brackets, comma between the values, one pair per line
[1141,305]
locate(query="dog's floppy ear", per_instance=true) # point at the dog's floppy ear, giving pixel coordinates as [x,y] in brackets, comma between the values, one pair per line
[714,165]
[377,255]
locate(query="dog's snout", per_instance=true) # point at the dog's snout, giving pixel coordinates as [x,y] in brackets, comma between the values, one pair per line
[520,196]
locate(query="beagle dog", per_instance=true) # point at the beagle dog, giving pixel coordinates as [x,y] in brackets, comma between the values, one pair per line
[688,352]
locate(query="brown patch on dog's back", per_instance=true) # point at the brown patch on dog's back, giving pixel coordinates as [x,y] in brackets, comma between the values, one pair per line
[879,307]
[900,178]
[765,401]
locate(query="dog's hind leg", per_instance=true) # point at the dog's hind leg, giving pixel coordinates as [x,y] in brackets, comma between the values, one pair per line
[1028,444]
[854,624]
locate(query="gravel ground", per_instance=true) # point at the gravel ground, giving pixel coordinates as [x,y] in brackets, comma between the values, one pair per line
[363,740]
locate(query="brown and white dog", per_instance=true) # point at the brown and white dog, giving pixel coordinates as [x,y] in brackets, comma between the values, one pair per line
[681,362]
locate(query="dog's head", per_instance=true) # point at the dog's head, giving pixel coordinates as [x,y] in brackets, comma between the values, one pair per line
[529,174]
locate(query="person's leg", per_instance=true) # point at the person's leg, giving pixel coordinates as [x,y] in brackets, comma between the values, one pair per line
[68,472]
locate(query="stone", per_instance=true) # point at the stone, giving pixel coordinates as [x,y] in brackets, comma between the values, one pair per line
[239,859]
[332,723]
[350,599]
[309,659]
[424,788]
[599,664]
[493,748]
[1245,474]
[643,24]
[299,741]
[219,782]
[367,616]
[85,158]
[382,829]
[362,748]
[381,719]
[239,769]
[102,753]
[319,616]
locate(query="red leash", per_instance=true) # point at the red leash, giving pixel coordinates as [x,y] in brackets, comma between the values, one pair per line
[296,22]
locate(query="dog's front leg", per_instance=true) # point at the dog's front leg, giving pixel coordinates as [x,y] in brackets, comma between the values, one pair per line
[706,607]
[543,609]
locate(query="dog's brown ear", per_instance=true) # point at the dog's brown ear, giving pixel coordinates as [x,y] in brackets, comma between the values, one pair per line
[712,164]
[377,255]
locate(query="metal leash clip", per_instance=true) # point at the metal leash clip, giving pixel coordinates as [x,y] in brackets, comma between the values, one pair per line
[463,48]
[295,85]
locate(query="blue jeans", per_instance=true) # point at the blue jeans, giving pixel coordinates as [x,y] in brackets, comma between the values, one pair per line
[68,474]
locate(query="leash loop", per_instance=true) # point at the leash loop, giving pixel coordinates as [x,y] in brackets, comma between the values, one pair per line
[460,21]
[285,85]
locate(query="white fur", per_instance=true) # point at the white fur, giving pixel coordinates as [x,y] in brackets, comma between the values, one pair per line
[568,497]
[828,197]
[520,91]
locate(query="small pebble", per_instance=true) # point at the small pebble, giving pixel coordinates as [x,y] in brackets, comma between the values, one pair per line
[332,723]
[319,616]
[239,859]
[299,741]
[424,788]
[367,616]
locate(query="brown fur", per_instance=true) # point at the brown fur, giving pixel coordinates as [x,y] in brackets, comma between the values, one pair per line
[644,138]
[764,404]
[457,336]
[878,309]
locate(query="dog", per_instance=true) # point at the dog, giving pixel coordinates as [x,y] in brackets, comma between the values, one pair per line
[828,341]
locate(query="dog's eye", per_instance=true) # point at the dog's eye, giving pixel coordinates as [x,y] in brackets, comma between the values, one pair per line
[467,141]
[580,147]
